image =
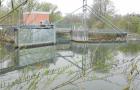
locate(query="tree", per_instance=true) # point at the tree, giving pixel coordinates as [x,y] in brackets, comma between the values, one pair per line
[101,8]
[72,20]
[31,5]
[9,13]
[34,5]
[53,9]
[130,22]
[134,23]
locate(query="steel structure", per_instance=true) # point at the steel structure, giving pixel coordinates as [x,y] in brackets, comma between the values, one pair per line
[84,12]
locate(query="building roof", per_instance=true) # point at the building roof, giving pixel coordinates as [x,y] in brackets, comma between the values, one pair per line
[35,17]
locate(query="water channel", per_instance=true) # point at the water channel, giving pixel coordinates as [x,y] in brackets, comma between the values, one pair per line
[71,66]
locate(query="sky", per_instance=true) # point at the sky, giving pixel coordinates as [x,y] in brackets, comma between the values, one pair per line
[121,6]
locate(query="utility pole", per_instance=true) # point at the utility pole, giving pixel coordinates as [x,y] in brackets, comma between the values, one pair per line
[85,33]
[84,20]
[84,12]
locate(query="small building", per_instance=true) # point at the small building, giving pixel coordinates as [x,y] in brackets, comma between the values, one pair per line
[35,18]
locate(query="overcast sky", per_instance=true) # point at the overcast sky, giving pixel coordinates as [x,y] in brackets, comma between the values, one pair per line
[121,6]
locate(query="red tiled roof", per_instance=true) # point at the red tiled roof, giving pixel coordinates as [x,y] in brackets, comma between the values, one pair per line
[35,17]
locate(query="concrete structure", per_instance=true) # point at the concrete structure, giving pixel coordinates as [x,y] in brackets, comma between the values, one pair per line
[35,18]
[28,37]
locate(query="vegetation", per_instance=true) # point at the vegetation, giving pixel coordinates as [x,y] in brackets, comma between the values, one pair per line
[100,8]
[31,5]
[130,48]
[54,13]
[34,5]
[105,9]
[70,20]
[101,59]
[130,22]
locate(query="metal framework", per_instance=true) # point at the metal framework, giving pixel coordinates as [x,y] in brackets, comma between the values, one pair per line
[84,12]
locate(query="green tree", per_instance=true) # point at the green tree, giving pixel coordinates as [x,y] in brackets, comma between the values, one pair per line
[134,23]
[130,22]
[31,5]
[52,9]
[70,21]
[120,21]
[34,5]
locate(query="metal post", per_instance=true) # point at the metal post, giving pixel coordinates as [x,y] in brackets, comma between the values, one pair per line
[85,34]
[84,12]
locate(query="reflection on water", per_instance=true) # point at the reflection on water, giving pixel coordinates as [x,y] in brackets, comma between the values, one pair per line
[73,66]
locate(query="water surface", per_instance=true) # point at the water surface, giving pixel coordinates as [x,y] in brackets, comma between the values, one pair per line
[71,66]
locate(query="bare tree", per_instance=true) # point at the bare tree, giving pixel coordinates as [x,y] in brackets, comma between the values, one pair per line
[103,8]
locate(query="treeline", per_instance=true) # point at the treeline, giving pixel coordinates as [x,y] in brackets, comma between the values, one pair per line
[129,22]
[103,11]
[100,13]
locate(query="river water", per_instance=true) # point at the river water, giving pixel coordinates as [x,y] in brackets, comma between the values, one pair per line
[71,66]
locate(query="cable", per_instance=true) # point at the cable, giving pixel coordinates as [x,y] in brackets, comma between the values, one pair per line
[3,17]
[70,14]
[103,18]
